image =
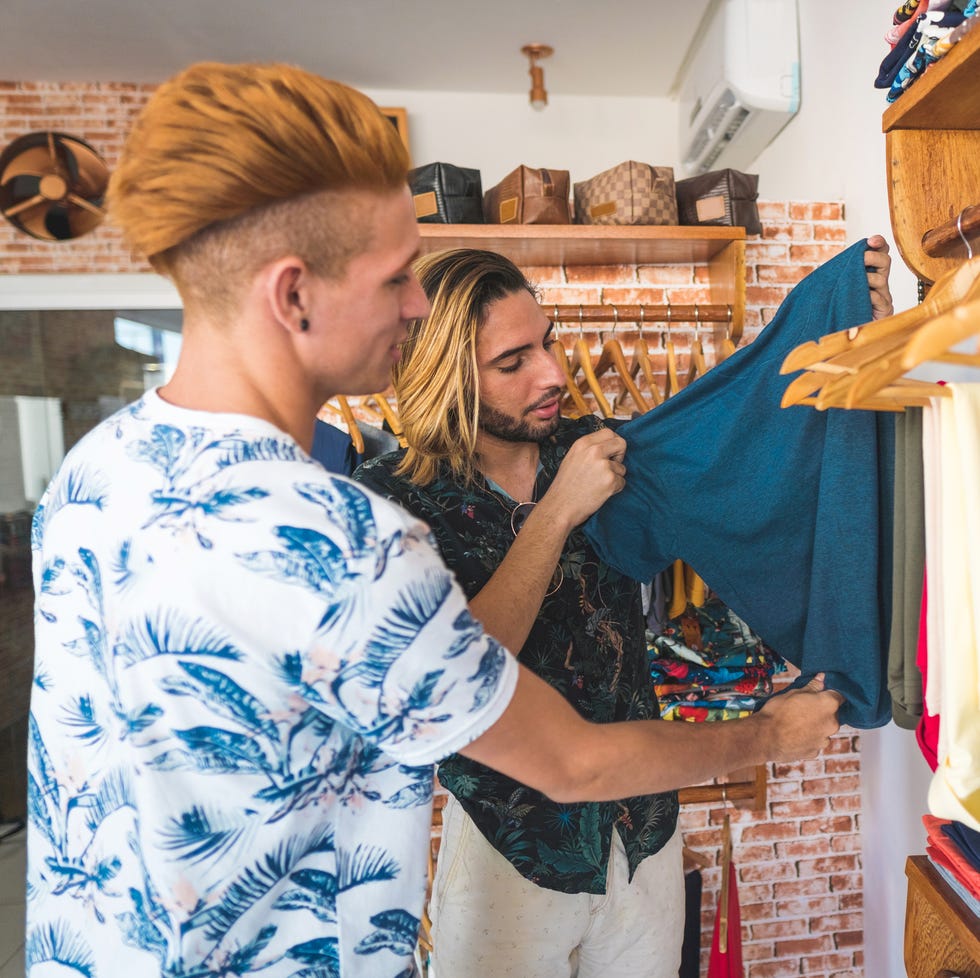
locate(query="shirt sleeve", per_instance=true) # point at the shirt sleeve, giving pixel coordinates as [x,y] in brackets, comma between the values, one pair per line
[397,656]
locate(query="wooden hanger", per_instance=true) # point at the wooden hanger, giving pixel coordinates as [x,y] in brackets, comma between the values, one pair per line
[579,407]
[642,365]
[582,362]
[727,346]
[726,862]
[343,408]
[697,367]
[672,384]
[694,858]
[380,407]
[678,596]
[694,587]
[862,367]
[613,358]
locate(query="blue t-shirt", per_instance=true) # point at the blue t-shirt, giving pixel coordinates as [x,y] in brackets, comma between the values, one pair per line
[785,512]
[245,669]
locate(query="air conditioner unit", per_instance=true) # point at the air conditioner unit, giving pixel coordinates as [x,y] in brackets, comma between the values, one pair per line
[740,84]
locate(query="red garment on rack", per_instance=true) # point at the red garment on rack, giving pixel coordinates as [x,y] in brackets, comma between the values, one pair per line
[729,964]
[927,732]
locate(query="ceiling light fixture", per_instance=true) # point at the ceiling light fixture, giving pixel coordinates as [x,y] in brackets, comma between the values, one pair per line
[539,97]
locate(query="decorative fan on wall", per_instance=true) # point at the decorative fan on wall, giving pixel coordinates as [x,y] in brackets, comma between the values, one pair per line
[52,186]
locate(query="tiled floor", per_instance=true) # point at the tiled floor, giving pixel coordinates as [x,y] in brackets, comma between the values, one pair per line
[13,861]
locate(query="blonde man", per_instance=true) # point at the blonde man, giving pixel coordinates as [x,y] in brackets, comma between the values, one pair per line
[245,667]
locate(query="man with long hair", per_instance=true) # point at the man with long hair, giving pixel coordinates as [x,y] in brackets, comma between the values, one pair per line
[528,885]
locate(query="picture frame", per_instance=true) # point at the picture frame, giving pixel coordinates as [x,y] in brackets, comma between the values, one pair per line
[399,119]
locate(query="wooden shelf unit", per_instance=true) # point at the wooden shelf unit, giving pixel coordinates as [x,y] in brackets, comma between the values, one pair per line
[932,148]
[722,249]
[942,937]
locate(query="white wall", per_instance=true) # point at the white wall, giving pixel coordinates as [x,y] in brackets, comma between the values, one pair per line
[834,149]
[496,133]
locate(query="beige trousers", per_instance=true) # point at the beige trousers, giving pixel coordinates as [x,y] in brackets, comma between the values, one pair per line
[490,922]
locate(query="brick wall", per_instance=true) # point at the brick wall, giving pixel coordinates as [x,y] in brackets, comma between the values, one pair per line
[799,861]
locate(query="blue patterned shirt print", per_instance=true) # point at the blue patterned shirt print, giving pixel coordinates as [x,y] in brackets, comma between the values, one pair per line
[245,669]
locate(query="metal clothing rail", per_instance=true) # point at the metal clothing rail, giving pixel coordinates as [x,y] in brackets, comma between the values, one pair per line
[571,315]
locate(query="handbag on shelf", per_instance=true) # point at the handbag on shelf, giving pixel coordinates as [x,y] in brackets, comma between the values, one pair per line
[446,194]
[627,194]
[529,196]
[722,197]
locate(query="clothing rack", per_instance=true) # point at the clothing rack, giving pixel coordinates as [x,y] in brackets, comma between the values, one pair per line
[572,315]
[952,239]
[747,789]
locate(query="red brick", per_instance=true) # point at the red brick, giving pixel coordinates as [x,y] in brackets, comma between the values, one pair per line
[779,929]
[600,273]
[813,886]
[798,947]
[843,882]
[772,210]
[783,274]
[803,848]
[799,809]
[841,785]
[829,232]
[770,831]
[851,901]
[850,938]
[837,922]
[767,295]
[775,969]
[828,865]
[831,825]
[816,212]
[813,254]
[767,871]
[665,275]
[846,803]
[543,275]
[846,764]
[805,908]
[822,963]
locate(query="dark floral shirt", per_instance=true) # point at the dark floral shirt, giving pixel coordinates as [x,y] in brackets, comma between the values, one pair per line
[587,642]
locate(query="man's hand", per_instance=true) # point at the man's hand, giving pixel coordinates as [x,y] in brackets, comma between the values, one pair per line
[803,721]
[589,474]
[878,263]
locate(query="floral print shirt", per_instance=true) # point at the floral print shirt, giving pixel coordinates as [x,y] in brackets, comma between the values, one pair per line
[245,670]
[587,642]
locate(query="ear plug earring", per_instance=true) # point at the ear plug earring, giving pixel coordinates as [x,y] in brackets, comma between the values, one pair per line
[304,325]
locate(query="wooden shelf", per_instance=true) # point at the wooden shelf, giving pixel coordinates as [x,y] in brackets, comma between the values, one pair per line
[576,244]
[946,97]
[942,937]
[932,148]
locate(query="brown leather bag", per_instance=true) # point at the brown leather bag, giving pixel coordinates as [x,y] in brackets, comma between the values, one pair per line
[529,196]
[630,193]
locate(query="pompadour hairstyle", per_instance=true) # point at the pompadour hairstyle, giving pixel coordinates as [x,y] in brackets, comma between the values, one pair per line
[219,147]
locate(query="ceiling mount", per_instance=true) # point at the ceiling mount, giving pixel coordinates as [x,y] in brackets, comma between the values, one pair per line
[535,52]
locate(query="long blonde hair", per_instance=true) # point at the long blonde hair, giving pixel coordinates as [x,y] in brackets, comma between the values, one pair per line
[437,381]
[232,165]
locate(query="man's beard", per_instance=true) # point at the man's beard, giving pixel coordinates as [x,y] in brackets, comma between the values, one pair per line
[508,428]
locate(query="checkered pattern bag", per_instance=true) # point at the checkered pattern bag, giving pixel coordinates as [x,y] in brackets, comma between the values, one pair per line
[630,193]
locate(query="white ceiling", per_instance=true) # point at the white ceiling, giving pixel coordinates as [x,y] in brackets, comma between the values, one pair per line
[620,47]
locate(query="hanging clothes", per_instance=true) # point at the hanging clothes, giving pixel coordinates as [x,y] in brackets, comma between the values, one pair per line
[908,561]
[786,512]
[955,789]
